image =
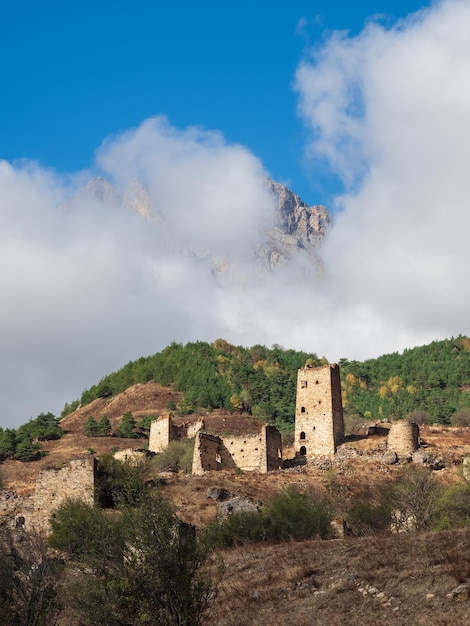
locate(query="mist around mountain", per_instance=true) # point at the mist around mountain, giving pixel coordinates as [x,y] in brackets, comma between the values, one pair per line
[297,228]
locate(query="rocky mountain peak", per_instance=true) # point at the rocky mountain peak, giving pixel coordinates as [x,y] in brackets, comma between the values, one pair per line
[298,227]
[102,190]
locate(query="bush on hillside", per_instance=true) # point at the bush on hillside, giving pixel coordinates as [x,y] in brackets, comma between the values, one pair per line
[461,418]
[84,532]
[30,579]
[141,567]
[291,514]
[178,455]
[122,483]
[453,507]
[297,514]
[415,496]
[370,513]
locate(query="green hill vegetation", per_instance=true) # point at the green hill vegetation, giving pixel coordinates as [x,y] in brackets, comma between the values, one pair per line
[257,380]
[431,383]
[23,443]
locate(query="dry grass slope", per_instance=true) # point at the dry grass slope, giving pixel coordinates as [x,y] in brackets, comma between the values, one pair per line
[400,580]
[389,580]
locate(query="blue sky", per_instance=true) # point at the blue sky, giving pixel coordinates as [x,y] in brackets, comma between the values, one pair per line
[75,72]
[363,107]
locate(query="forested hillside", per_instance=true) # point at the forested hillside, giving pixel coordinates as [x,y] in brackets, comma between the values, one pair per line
[256,380]
[433,380]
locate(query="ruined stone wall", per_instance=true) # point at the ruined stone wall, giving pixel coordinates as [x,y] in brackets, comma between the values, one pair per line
[319,425]
[208,453]
[14,508]
[76,481]
[273,454]
[159,437]
[260,452]
[133,456]
[163,431]
[403,438]
[192,428]
[248,452]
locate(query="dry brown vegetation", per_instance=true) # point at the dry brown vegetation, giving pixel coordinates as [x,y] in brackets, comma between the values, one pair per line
[313,582]
[328,582]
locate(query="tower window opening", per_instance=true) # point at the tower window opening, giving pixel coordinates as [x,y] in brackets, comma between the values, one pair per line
[302,410]
[303,450]
[302,435]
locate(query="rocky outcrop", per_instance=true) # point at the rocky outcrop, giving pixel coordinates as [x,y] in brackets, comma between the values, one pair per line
[136,197]
[299,228]
[238,505]
[306,225]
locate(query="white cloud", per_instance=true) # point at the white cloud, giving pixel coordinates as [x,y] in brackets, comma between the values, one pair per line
[390,111]
[88,286]
[197,180]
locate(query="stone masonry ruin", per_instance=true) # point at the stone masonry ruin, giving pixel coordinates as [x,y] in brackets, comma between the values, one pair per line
[164,430]
[403,439]
[77,480]
[260,451]
[319,430]
[319,425]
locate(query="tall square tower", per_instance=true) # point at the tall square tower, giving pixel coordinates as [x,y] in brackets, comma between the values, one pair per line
[319,425]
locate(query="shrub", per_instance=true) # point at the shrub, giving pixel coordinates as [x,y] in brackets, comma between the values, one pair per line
[419,417]
[30,580]
[237,529]
[352,424]
[142,568]
[178,455]
[294,514]
[461,418]
[370,514]
[122,484]
[415,498]
[453,508]
[83,532]
[291,514]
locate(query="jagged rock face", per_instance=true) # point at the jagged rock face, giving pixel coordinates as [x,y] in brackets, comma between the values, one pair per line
[299,227]
[102,190]
[136,196]
[306,224]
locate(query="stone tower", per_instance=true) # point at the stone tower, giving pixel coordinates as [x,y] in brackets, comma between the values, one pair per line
[403,438]
[319,426]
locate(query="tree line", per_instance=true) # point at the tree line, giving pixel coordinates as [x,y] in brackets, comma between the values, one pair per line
[433,379]
[24,443]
